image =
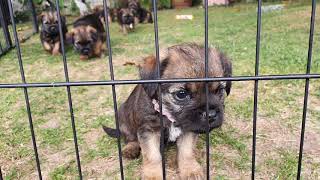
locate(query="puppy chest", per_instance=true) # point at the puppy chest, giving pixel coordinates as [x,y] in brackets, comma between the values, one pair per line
[174,133]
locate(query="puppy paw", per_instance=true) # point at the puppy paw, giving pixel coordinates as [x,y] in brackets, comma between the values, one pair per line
[152,173]
[195,175]
[56,53]
[131,150]
[192,172]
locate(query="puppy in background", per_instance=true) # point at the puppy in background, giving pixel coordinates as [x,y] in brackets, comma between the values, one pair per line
[134,6]
[49,33]
[144,16]
[126,20]
[113,13]
[183,108]
[88,36]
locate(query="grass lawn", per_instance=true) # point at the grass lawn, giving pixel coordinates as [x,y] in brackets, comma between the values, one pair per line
[284,48]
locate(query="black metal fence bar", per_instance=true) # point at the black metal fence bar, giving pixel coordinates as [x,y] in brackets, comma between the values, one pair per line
[1,178]
[126,82]
[306,90]
[114,95]
[4,25]
[66,73]
[1,50]
[34,17]
[25,90]
[206,34]
[156,42]
[255,95]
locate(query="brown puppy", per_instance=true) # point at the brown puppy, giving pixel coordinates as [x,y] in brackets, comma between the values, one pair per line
[126,20]
[183,105]
[49,34]
[87,36]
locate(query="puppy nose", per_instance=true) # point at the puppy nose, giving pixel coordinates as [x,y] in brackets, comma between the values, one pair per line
[212,114]
[85,51]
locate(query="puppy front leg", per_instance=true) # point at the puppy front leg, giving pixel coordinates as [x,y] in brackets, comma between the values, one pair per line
[124,29]
[98,48]
[189,168]
[151,157]
[56,49]
[47,46]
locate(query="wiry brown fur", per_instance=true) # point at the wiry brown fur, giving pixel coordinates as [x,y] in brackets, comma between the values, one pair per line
[88,36]
[49,34]
[126,20]
[140,121]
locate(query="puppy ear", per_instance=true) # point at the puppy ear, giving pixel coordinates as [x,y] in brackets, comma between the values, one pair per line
[40,16]
[227,70]
[148,71]
[93,32]
[91,29]
[69,37]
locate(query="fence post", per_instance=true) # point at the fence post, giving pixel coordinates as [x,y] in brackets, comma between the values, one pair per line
[4,25]
[34,17]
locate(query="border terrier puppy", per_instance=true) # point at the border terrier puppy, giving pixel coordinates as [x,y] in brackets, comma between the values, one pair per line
[134,7]
[49,34]
[184,108]
[87,36]
[126,20]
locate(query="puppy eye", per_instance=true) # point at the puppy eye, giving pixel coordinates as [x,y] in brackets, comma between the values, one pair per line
[46,22]
[182,94]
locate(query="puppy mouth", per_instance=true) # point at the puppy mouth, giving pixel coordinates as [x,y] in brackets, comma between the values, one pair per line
[199,124]
[85,51]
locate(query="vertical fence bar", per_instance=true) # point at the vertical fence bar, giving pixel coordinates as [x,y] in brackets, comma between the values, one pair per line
[114,95]
[256,86]
[25,90]
[306,90]
[1,50]
[4,25]
[156,42]
[206,34]
[1,178]
[34,17]
[65,66]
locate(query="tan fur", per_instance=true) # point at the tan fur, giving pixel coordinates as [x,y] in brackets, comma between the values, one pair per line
[84,32]
[131,150]
[55,50]
[151,157]
[189,168]
[47,46]
[48,16]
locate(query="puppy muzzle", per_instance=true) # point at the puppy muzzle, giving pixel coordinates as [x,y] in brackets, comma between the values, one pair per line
[52,30]
[85,51]
[128,20]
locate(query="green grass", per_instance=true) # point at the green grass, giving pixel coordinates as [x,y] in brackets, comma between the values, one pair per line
[284,48]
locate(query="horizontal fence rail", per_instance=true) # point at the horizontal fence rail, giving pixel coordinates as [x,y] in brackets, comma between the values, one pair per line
[127,82]
[256,78]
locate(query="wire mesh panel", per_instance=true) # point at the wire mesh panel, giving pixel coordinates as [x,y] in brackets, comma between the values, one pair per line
[24,85]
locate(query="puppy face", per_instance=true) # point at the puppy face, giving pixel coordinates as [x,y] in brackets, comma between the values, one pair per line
[126,16]
[84,39]
[186,102]
[49,21]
